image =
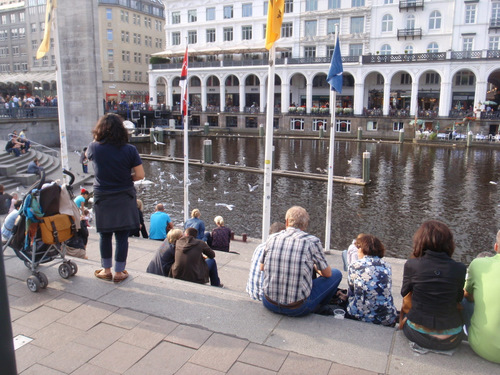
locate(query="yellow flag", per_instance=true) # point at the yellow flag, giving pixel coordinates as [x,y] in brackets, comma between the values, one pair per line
[274,21]
[49,15]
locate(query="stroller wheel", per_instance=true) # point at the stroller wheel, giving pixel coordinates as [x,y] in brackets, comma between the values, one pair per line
[74,267]
[27,264]
[43,280]
[65,270]
[33,283]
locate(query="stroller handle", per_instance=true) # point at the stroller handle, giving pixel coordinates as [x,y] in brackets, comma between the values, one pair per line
[71,176]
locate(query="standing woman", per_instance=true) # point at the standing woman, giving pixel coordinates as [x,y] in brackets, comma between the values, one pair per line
[117,165]
[437,285]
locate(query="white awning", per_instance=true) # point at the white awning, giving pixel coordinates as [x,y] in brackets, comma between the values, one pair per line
[28,77]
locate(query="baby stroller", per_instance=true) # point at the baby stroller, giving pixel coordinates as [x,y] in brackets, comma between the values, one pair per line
[47,219]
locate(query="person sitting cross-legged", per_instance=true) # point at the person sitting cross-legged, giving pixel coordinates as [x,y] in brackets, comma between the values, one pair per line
[289,262]
[190,263]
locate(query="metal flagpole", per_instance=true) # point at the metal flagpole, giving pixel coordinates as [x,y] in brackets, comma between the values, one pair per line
[268,162]
[329,194]
[334,78]
[185,122]
[60,98]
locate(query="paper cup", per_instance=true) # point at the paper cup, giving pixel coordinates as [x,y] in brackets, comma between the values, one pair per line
[338,314]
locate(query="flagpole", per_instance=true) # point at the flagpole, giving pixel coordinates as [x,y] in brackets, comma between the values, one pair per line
[329,194]
[268,158]
[60,100]
[335,79]
[185,123]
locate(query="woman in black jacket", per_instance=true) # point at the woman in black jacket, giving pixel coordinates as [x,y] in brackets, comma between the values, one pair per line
[436,284]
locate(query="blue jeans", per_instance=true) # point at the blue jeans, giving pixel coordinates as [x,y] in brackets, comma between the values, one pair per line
[323,289]
[212,272]
[16,151]
[106,247]
[468,310]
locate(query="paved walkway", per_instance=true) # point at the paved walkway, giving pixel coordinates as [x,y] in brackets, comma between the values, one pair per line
[155,325]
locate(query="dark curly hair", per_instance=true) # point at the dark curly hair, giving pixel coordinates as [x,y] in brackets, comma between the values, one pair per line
[435,236]
[110,129]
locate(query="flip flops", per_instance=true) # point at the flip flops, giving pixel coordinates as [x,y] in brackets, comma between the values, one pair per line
[119,279]
[103,276]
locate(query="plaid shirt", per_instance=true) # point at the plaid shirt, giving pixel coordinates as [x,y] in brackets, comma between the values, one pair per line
[255,276]
[289,258]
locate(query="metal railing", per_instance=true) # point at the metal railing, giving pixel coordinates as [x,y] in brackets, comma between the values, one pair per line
[30,112]
[410,33]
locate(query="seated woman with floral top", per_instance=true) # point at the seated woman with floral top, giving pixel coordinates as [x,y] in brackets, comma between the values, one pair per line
[369,284]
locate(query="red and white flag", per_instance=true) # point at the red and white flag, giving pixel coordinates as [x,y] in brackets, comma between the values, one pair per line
[183,83]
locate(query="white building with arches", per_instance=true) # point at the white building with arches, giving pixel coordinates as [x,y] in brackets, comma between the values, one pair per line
[435,60]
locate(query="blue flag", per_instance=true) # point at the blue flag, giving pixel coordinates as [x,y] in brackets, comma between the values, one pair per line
[335,74]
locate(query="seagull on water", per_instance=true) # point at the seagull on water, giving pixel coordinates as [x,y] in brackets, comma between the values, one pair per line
[493,183]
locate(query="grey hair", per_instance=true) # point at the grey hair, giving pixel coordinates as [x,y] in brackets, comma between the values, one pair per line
[297,217]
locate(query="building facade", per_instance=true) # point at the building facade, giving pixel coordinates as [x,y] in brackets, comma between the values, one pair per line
[129,32]
[434,60]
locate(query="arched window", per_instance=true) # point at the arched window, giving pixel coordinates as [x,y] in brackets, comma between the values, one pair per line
[410,22]
[385,49]
[435,20]
[387,23]
[409,49]
[433,47]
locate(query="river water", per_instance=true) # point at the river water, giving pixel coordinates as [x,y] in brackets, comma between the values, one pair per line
[410,184]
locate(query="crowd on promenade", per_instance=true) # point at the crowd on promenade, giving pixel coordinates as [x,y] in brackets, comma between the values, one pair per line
[444,302]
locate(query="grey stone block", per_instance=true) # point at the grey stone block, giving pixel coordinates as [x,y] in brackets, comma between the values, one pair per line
[7,169]
[25,179]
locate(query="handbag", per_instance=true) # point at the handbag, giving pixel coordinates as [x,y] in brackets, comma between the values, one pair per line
[405,309]
[57,228]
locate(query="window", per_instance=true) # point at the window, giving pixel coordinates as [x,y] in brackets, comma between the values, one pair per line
[210,14]
[371,126]
[21,17]
[176,18]
[432,78]
[387,23]
[397,126]
[310,51]
[357,3]
[467,43]
[246,10]
[355,49]
[210,35]
[14,33]
[385,49]
[192,15]
[405,79]
[286,30]
[310,28]
[388,1]
[22,33]
[265,8]
[343,126]
[246,32]
[410,22]
[33,27]
[470,13]
[409,49]
[329,51]
[318,123]
[494,43]
[311,5]
[465,78]
[109,14]
[228,34]
[435,20]
[296,124]
[192,37]
[124,16]
[13,18]
[288,6]
[380,79]
[34,44]
[111,55]
[330,25]
[433,47]
[333,4]
[228,12]
[109,33]
[357,25]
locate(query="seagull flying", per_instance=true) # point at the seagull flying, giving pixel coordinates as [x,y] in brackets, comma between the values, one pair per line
[252,188]
[156,141]
[228,206]
[493,183]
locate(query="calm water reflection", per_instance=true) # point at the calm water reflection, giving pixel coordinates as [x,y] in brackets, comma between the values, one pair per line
[410,184]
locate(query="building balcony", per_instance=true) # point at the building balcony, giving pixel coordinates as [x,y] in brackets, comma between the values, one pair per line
[410,33]
[411,4]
